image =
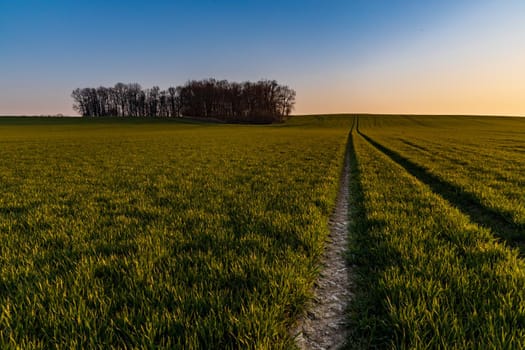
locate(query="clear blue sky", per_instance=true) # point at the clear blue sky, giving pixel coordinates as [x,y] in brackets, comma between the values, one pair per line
[461,56]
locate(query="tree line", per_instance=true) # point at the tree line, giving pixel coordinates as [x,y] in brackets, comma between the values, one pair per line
[264,101]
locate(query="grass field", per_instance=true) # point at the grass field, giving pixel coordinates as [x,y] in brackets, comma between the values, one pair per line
[478,164]
[160,234]
[171,234]
[437,209]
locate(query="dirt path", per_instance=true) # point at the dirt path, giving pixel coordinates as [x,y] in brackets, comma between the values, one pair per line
[324,325]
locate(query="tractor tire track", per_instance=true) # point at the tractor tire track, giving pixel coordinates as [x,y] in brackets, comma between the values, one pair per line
[324,326]
[457,197]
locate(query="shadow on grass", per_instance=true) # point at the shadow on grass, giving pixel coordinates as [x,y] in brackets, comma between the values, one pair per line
[466,202]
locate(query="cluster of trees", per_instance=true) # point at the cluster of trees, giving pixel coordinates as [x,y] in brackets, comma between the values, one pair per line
[264,101]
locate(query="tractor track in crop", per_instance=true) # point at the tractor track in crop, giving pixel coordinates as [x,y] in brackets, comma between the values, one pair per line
[464,201]
[324,326]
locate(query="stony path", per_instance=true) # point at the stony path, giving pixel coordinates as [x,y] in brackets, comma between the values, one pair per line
[324,325]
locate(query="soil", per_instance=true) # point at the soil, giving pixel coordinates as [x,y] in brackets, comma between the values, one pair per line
[324,324]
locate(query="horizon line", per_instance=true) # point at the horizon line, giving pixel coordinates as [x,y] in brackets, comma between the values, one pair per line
[61,115]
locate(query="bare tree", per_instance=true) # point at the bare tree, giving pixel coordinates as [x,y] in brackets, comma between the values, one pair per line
[262,102]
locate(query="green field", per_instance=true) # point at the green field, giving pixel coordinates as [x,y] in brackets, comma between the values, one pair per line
[438,211]
[140,233]
[148,234]
[477,164]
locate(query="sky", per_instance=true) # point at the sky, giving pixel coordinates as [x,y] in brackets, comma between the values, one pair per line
[341,56]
